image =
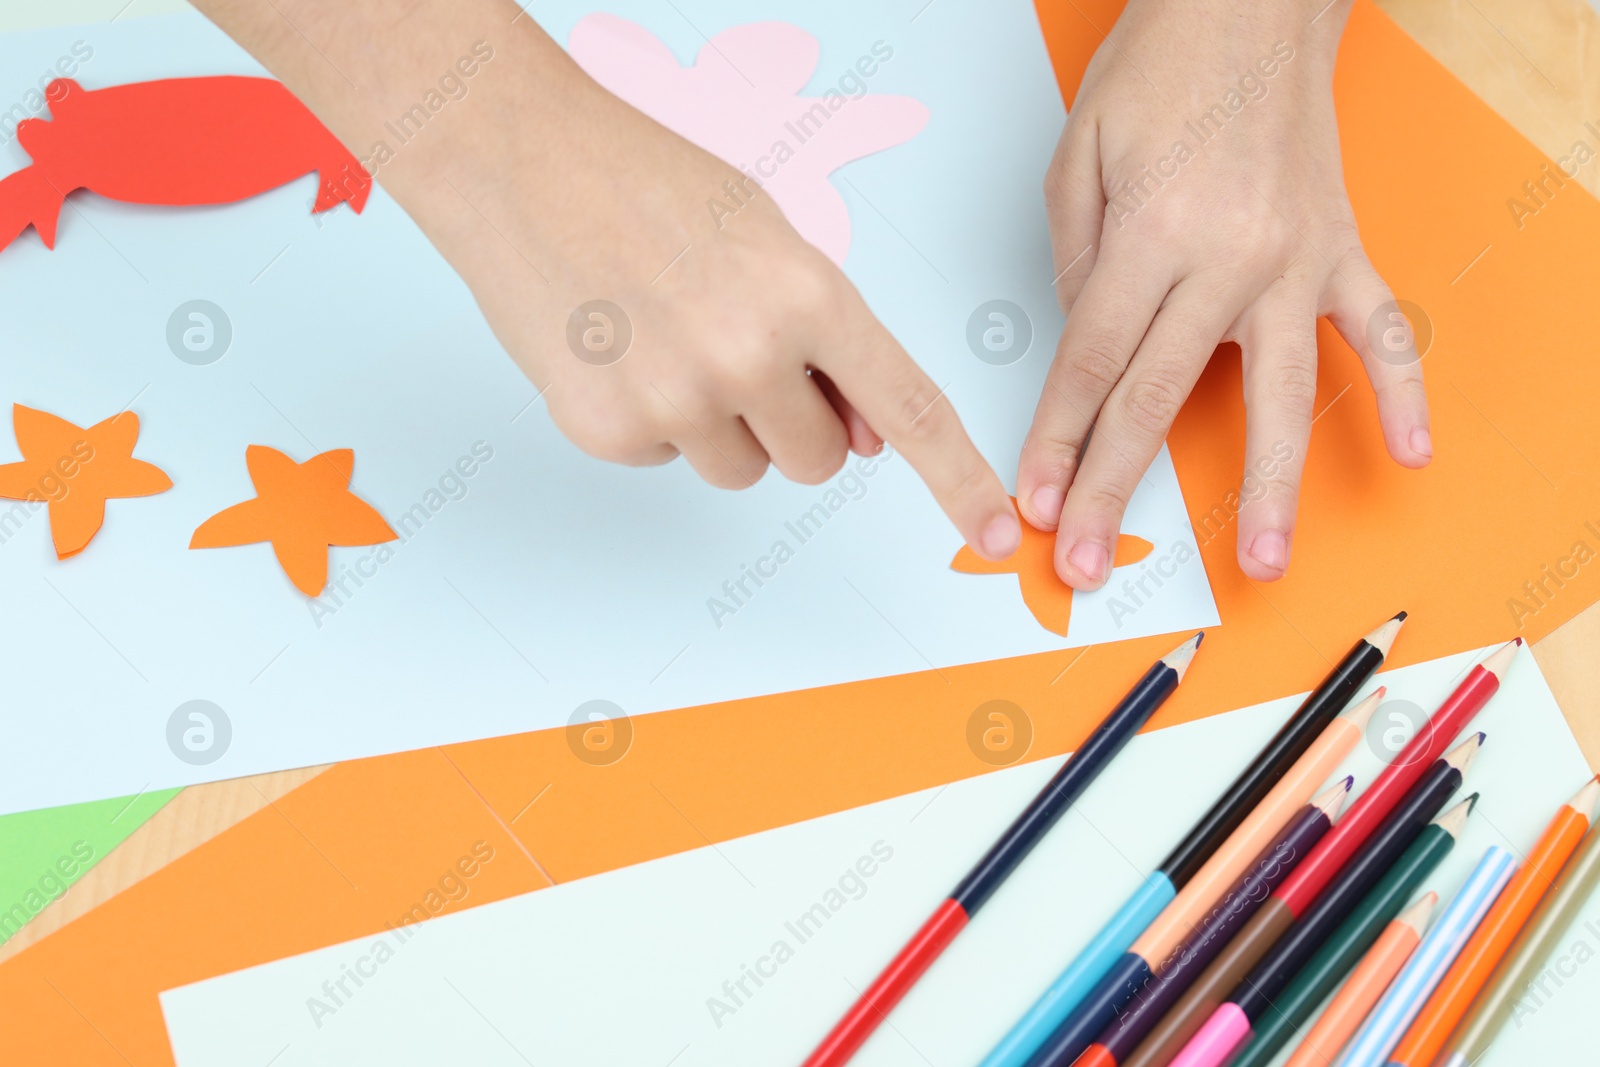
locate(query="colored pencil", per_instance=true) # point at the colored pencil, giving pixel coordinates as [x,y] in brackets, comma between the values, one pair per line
[1231,911]
[1512,992]
[1102,1004]
[1278,934]
[1366,984]
[1297,759]
[1404,998]
[1068,783]
[1499,928]
[1323,972]
[1403,771]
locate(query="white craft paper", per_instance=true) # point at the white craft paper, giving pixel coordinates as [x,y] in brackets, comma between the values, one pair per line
[629,967]
[546,579]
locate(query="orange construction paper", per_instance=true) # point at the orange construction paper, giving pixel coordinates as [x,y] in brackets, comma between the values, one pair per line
[76,471]
[179,141]
[301,508]
[1511,490]
[1047,596]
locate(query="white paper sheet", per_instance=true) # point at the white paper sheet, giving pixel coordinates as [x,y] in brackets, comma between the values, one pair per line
[546,579]
[629,967]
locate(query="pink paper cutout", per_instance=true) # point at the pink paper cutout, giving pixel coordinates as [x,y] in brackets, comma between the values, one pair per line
[712,104]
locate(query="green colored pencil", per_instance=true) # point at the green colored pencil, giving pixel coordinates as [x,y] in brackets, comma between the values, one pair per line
[1345,947]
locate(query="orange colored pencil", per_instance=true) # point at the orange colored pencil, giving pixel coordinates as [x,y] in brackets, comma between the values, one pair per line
[1349,1007]
[1466,977]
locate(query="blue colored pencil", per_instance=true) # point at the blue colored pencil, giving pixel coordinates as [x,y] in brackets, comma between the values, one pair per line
[1110,946]
[1405,997]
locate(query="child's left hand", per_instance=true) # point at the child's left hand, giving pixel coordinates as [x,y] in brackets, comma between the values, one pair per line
[1163,256]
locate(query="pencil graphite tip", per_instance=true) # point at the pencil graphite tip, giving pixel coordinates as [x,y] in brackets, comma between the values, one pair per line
[1584,801]
[1360,713]
[1498,660]
[1383,637]
[1453,820]
[1418,914]
[1178,659]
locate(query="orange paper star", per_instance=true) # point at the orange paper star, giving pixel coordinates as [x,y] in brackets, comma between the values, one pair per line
[301,508]
[1047,596]
[76,471]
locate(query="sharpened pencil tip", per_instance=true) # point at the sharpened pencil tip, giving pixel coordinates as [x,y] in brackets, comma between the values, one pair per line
[1178,659]
[1361,713]
[1332,799]
[1461,756]
[1453,820]
[1583,803]
[1417,915]
[1498,660]
[1383,637]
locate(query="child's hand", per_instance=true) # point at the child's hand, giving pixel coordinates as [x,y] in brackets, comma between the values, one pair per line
[546,193]
[1245,234]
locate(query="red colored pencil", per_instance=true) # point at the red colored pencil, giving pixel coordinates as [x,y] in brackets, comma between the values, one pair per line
[1379,798]
[953,913]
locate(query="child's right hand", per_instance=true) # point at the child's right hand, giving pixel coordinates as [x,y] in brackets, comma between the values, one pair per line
[545,192]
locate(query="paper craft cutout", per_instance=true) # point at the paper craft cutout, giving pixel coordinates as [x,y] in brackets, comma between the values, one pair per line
[742,102]
[301,508]
[75,471]
[181,141]
[1047,596]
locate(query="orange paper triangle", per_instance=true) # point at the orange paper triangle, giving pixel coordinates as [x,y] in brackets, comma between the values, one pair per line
[75,471]
[1047,596]
[301,509]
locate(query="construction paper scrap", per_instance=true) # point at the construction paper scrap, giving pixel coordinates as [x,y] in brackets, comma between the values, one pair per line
[546,578]
[44,853]
[1047,596]
[743,100]
[747,949]
[301,509]
[75,471]
[179,141]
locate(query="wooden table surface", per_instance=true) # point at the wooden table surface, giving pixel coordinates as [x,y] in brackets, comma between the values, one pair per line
[1536,64]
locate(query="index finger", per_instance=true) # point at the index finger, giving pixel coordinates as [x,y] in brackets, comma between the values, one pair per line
[912,413]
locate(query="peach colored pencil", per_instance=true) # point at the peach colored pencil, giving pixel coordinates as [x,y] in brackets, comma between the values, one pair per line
[1349,1007]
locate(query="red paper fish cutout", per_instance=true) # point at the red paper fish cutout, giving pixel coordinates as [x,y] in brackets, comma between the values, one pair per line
[1047,596]
[181,141]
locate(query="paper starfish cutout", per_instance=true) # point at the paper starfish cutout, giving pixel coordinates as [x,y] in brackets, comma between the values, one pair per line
[301,508]
[1047,596]
[741,102]
[76,471]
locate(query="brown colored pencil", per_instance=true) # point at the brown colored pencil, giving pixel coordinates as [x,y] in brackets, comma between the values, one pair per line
[1275,917]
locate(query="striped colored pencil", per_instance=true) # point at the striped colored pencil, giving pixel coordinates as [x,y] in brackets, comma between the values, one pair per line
[1280,934]
[1499,928]
[1101,1005]
[1509,993]
[1363,926]
[1405,996]
[1298,758]
[1367,982]
[1332,853]
[1043,812]
[1231,911]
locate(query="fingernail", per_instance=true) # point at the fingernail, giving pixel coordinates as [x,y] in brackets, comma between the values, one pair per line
[1001,537]
[1271,549]
[1422,442]
[1046,502]
[1088,558]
